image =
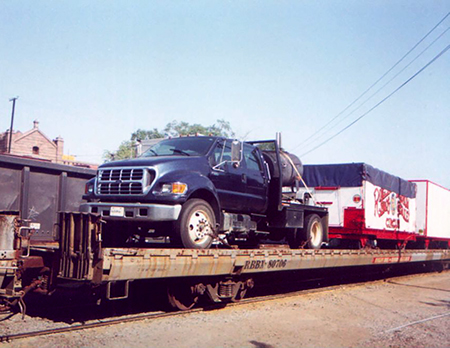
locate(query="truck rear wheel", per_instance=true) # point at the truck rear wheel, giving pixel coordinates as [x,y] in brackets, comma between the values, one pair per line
[195,225]
[313,231]
[310,237]
[293,238]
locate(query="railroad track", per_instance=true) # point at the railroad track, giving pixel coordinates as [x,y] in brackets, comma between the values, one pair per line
[158,315]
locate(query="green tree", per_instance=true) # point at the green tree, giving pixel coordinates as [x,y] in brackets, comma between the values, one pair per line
[173,129]
[220,128]
[142,134]
[125,150]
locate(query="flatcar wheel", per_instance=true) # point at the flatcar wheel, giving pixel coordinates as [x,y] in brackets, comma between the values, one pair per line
[239,296]
[242,289]
[181,297]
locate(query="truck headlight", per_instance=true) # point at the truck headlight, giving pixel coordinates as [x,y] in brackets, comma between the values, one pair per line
[177,188]
[89,188]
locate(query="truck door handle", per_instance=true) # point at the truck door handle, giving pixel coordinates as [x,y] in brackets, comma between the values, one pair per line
[244,178]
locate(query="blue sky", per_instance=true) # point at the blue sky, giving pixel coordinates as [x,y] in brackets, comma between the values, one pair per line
[95,71]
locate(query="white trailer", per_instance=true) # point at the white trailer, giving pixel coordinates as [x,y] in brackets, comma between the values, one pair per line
[433,210]
[364,203]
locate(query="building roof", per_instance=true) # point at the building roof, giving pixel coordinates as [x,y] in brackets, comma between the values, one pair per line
[32,131]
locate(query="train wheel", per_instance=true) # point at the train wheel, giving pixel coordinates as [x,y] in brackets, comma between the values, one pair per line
[313,231]
[181,297]
[243,287]
[195,226]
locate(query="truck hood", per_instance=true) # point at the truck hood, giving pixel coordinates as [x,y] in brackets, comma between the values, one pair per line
[152,161]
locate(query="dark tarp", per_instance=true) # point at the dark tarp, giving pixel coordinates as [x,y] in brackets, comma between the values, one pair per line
[353,175]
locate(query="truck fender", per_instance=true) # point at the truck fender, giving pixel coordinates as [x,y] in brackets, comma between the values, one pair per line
[200,186]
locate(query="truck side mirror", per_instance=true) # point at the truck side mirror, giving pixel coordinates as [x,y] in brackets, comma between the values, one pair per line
[236,152]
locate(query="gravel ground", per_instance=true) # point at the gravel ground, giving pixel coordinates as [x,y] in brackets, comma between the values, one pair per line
[409,312]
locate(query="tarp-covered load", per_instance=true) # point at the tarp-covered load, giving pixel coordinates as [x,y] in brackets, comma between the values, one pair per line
[362,198]
[353,175]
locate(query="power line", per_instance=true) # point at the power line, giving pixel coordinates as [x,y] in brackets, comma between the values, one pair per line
[382,101]
[376,82]
[382,87]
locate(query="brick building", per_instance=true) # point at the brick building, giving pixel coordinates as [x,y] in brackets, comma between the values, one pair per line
[36,144]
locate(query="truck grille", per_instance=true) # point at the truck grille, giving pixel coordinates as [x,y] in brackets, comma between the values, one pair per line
[123,181]
[121,174]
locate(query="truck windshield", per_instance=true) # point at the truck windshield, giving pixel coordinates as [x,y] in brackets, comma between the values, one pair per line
[188,146]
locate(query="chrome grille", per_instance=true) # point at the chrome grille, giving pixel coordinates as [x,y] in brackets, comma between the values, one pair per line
[122,174]
[123,181]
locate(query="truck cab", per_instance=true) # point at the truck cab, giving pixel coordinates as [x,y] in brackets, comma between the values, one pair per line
[197,190]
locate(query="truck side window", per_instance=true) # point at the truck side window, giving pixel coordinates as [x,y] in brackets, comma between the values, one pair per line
[222,152]
[251,159]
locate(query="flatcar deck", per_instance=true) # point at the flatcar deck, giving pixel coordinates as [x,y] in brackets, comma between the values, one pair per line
[127,264]
[84,258]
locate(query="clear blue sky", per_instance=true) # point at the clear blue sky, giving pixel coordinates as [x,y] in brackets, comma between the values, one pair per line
[95,71]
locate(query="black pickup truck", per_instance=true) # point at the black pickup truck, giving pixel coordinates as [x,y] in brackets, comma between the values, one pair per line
[203,189]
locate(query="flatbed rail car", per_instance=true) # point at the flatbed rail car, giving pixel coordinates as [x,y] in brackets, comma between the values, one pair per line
[83,258]
[221,274]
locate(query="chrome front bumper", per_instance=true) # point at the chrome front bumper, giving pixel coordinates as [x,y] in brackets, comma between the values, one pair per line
[140,212]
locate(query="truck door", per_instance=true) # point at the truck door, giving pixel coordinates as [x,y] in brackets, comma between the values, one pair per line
[256,181]
[230,181]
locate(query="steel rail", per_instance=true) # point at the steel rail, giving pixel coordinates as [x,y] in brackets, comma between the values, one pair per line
[99,323]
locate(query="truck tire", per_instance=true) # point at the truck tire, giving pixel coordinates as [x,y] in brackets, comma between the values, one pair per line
[195,225]
[313,231]
[293,238]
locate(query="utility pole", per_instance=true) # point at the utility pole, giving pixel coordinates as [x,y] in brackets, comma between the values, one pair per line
[12,122]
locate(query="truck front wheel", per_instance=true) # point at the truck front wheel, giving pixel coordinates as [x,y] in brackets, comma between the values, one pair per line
[195,225]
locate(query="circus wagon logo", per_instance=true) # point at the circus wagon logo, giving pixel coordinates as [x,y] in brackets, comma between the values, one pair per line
[391,204]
